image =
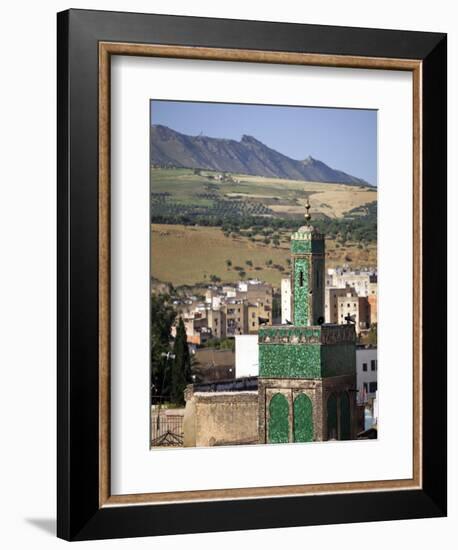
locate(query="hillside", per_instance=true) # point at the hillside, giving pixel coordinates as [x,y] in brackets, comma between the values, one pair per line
[181,192]
[192,255]
[170,148]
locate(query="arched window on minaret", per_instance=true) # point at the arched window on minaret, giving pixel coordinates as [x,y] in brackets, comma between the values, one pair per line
[301,278]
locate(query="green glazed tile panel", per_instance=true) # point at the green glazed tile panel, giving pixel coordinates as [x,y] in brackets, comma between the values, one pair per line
[307,246]
[319,282]
[289,360]
[301,297]
[301,247]
[338,359]
[278,419]
[303,419]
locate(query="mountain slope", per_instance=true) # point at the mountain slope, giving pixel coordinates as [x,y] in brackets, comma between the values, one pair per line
[247,156]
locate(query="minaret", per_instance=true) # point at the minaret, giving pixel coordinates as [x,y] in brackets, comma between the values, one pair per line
[308,281]
[307,370]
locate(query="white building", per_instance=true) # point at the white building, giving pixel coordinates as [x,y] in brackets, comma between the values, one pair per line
[331,309]
[360,281]
[246,355]
[366,373]
[286,300]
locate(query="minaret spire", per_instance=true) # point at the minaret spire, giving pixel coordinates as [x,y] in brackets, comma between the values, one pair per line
[307,215]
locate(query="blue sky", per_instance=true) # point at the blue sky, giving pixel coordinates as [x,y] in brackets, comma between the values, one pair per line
[345,139]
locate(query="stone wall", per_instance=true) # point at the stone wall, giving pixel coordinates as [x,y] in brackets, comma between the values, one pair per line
[220,418]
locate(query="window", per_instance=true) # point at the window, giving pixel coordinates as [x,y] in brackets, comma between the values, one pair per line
[365,367]
[365,386]
[301,278]
[317,278]
[372,387]
[372,364]
[253,324]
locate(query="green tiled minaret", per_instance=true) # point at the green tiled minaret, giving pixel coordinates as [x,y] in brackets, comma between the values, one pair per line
[307,251]
[307,370]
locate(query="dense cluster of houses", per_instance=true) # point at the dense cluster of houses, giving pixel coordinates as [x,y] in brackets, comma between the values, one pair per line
[226,311]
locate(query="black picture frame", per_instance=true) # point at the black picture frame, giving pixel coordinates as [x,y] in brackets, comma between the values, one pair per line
[79,515]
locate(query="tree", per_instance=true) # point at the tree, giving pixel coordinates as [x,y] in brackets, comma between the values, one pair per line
[162,318]
[181,366]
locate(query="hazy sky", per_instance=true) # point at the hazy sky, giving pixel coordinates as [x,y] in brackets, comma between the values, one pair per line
[345,139]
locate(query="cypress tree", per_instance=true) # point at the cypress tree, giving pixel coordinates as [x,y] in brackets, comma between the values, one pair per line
[181,368]
[162,318]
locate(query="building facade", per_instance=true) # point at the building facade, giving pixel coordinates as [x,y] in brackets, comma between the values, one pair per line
[366,373]
[307,370]
[356,307]
[286,316]
[246,355]
[360,281]
[331,305]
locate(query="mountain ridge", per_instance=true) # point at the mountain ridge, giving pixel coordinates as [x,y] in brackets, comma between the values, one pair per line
[247,156]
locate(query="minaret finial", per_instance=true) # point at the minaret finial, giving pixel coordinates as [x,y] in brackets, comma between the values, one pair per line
[307,216]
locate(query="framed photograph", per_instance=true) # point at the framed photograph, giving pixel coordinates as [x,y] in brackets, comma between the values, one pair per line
[252,275]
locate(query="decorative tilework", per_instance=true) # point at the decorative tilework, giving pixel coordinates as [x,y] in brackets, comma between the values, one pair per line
[338,359]
[301,291]
[307,246]
[301,247]
[303,419]
[289,360]
[289,334]
[324,334]
[278,419]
